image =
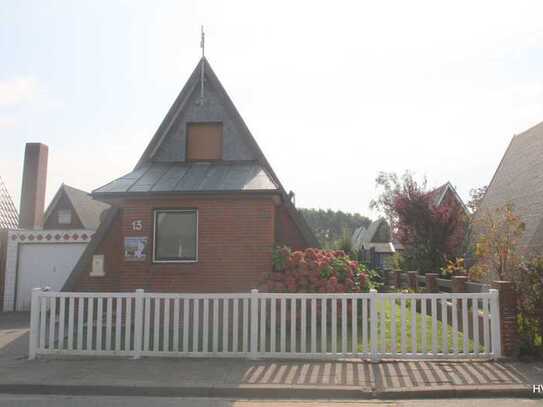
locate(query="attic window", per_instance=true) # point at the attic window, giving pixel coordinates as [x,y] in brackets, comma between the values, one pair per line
[64,216]
[204,141]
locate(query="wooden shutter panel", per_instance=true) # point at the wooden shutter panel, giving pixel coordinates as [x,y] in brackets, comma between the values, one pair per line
[204,141]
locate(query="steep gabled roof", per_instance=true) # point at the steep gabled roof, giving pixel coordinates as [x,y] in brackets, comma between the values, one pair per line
[240,146]
[9,219]
[87,209]
[376,236]
[182,104]
[518,180]
[438,195]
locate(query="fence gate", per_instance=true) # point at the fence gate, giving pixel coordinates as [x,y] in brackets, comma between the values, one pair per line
[265,325]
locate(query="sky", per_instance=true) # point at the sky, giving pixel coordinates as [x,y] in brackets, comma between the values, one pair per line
[333,92]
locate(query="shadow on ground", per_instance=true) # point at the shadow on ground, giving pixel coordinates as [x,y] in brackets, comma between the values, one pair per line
[16,369]
[14,329]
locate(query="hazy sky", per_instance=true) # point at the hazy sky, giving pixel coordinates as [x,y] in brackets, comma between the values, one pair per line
[332,91]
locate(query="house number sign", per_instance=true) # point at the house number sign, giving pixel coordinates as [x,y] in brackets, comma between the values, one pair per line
[137,225]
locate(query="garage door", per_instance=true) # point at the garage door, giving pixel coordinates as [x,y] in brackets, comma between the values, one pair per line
[42,265]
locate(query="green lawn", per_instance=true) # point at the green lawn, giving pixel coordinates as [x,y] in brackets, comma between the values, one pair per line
[392,317]
[420,322]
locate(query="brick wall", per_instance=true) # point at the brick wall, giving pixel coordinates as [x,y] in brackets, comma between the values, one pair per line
[111,248]
[286,231]
[508,317]
[235,241]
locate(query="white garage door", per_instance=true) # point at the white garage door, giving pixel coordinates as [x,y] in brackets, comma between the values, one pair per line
[42,265]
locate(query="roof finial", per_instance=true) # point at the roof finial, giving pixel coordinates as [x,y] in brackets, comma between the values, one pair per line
[202,45]
[203,42]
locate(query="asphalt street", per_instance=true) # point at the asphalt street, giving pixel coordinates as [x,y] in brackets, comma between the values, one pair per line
[99,401]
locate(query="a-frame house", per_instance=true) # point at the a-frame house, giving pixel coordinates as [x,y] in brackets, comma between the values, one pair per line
[200,212]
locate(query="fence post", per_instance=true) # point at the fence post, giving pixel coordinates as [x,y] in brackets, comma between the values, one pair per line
[34,323]
[458,284]
[138,323]
[254,324]
[373,326]
[431,282]
[398,279]
[412,279]
[495,323]
[507,303]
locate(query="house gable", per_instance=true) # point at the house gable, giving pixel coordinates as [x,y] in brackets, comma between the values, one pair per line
[85,212]
[9,218]
[446,194]
[173,146]
[170,140]
[61,202]
[240,150]
[518,181]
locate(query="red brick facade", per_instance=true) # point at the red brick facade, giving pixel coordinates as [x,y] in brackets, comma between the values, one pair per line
[508,317]
[236,236]
[287,233]
[111,248]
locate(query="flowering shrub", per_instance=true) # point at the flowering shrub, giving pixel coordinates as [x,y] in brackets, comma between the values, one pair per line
[454,268]
[315,271]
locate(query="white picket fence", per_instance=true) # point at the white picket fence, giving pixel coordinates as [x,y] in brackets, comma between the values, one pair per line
[263,325]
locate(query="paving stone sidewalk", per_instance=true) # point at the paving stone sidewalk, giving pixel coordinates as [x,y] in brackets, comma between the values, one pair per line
[262,378]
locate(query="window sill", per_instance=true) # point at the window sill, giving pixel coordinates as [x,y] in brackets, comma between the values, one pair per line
[175,261]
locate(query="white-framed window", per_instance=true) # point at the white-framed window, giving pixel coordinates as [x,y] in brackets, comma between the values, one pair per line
[64,216]
[175,236]
[97,266]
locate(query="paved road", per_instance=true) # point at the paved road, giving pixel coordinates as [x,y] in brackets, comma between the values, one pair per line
[69,401]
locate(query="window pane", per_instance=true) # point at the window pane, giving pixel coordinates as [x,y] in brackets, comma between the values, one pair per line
[176,236]
[64,216]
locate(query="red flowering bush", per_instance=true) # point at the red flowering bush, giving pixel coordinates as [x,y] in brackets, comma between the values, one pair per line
[315,271]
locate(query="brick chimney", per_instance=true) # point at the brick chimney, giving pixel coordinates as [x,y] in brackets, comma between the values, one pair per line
[33,191]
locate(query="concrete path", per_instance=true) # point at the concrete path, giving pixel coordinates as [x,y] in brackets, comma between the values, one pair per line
[253,379]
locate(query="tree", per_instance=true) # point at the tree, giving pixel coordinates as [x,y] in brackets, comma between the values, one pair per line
[331,227]
[476,197]
[498,233]
[431,234]
[528,280]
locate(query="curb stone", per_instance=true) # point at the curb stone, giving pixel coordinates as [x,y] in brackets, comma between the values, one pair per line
[275,392]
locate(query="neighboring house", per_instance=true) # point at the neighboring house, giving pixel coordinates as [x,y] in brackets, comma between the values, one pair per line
[518,180]
[72,208]
[9,220]
[200,212]
[375,244]
[43,248]
[446,194]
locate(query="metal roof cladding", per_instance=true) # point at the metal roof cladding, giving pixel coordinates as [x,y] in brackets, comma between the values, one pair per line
[192,177]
